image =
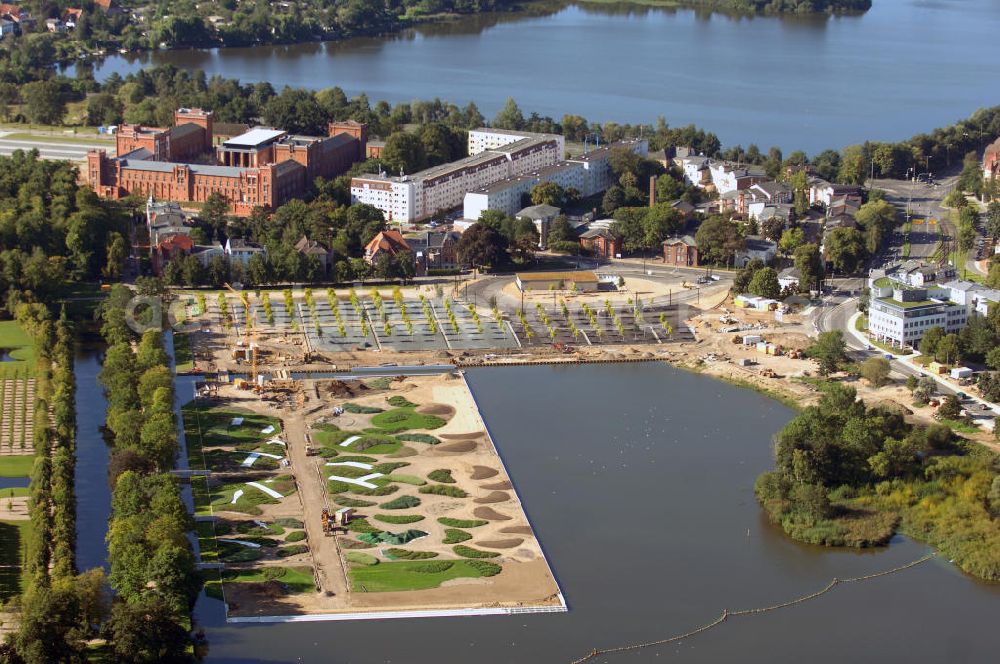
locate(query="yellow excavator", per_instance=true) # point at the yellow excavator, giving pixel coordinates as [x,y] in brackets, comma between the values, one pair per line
[250,333]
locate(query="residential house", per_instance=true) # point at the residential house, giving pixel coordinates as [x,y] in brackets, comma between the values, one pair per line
[685,208]
[7,27]
[601,243]
[728,177]
[680,250]
[390,242]
[912,273]
[54,25]
[764,194]
[695,170]
[756,247]
[434,250]
[308,248]
[17,14]
[822,192]
[239,250]
[206,252]
[789,278]
[991,160]
[169,248]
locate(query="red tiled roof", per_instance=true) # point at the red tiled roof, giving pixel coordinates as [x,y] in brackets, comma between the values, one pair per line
[390,241]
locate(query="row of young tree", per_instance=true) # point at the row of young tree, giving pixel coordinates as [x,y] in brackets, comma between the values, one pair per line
[59,610]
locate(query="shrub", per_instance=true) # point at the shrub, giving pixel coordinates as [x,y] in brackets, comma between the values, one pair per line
[444,490]
[455,536]
[484,567]
[409,554]
[389,466]
[296,536]
[345,501]
[398,401]
[272,573]
[401,503]
[469,552]
[419,438]
[399,518]
[293,550]
[461,523]
[441,475]
[362,526]
[433,567]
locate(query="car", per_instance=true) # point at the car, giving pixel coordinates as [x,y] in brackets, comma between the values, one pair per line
[889,356]
[962,396]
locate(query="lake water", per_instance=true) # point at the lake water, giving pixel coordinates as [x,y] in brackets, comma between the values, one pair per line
[638,479]
[809,83]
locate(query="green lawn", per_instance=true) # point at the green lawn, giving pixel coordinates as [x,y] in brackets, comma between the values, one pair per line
[16,492]
[13,578]
[89,139]
[406,575]
[406,418]
[209,426]
[222,496]
[961,427]
[182,350]
[17,347]
[16,465]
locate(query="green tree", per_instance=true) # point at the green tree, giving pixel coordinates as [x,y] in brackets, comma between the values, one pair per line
[404,152]
[510,116]
[949,350]
[117,253]
[547,193]
[718,240]
[104,108]
[845,248]
[929,342]
[44,102]
[147,631]
[151,351]
[481,246]
[853,166]
[151,380]
[809,263]
[792,239]
[876,371]
[215,212]
[765,283]
[829,350]
[950,408]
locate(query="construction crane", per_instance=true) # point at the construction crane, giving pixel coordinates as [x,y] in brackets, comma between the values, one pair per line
[249,332]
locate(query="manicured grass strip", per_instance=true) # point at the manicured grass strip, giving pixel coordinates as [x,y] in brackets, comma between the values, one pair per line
[183,356]
[443,490]
[346,501]
[207,543]
[401,503]
[399,518]
[358,409]
[469,552]
[16,492]
[455,536]
[20,349]
[441,475]
[16,465]
[407,479]
[461,523]
[411,575]
[296,536]
[485,568]
[388,467]
[362,526]
[409,554]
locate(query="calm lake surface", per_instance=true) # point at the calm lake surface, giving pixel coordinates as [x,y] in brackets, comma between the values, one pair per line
[809,83]
[638,479]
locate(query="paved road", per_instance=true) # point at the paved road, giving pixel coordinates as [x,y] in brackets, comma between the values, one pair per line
[55,150]
[923,202]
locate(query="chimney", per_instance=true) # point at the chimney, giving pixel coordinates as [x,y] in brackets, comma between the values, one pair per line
[652,190]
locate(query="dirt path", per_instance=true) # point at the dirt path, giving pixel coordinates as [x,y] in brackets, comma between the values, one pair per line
[326,558]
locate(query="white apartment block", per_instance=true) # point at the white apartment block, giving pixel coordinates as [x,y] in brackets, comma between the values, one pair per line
[589,174]
[484,138]
[415,197]
[903,318]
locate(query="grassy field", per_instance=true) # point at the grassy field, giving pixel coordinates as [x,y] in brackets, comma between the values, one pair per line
[208,426]
[402,419]
[182,350]
[19,350]
[13,535]
[82,139]
[16,492]
[295,579]
[17,465]
[411,575]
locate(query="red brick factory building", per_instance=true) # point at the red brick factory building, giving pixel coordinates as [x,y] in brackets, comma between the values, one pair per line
[263,167]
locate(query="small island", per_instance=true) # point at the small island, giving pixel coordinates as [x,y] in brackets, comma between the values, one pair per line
[847,474]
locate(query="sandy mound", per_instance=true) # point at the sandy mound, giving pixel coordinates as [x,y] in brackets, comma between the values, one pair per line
[465,581]
[501,544]
[516,530]
[436,409]
[462,446]
[492,497]
[483,472]
[461,436]
[489,514]
[499,486]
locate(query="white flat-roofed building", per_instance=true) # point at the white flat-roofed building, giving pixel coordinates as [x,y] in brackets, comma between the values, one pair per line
[485,138]
[416,197]
[903,318]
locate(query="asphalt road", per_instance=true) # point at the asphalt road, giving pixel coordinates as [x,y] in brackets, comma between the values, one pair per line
[923,201]
[54,150]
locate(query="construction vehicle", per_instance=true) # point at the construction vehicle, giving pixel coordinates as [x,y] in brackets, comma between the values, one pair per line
[327,522]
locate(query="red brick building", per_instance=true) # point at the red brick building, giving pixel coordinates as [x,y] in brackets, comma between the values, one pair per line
[681,251]
[601,243]
[261,167]
[991,160]
[389,242]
